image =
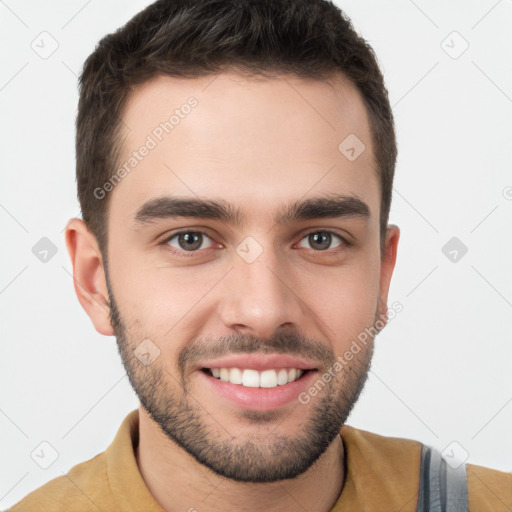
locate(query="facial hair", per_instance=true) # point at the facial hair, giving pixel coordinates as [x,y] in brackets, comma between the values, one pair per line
[273,457]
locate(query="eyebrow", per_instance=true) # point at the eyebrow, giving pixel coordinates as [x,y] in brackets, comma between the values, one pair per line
[169,207]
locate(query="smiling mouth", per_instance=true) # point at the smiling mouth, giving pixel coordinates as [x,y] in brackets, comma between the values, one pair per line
[248,377]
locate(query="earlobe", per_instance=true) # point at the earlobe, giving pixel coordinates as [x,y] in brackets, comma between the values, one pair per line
[89,275]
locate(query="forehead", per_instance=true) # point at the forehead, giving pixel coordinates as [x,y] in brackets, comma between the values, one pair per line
[251,141]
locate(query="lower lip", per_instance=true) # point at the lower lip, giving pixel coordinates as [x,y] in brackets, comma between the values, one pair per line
[259,399]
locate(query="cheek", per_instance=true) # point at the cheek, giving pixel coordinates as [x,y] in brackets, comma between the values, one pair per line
[157,300]
[348,303]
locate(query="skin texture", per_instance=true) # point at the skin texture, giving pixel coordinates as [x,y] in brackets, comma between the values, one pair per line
[257,145]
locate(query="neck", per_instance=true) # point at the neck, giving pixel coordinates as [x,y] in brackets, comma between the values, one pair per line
[178,482]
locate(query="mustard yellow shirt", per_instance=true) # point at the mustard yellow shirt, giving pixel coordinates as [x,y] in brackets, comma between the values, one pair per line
[381,474]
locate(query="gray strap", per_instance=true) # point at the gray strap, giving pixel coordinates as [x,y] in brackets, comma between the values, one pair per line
[441,487]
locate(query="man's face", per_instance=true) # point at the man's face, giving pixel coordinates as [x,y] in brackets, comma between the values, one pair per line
[255,287]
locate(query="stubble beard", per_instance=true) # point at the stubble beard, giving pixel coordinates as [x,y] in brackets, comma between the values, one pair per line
[256,458]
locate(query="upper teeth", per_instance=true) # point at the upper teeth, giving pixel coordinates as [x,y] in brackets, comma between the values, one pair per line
[255,379]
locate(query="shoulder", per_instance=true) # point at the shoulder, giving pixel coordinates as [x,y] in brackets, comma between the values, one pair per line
[399,460]
[488,489]
[78,490]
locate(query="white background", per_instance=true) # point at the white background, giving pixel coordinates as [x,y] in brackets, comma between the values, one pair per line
[442,367]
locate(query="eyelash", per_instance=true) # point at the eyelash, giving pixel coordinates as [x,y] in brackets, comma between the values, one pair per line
[181,252]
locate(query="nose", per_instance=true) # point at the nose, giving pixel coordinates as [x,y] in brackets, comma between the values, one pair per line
[260,297]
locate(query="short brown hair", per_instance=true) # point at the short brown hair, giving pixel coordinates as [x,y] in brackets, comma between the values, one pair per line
[191,38]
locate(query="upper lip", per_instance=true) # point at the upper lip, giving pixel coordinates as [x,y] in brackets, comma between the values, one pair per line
[259,362]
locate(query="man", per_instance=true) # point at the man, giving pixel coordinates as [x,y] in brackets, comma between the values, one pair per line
[235,163]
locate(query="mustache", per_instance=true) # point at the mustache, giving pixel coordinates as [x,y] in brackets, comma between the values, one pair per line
[290,343]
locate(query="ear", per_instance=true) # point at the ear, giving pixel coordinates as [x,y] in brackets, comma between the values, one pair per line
[89,275]
[387,266]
